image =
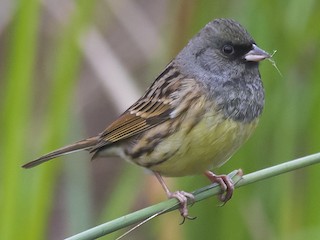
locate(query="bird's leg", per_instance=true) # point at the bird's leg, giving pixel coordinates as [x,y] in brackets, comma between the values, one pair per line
[225,183]
[181,196]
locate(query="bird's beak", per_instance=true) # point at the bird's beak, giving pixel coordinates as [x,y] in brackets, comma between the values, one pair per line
[256,54]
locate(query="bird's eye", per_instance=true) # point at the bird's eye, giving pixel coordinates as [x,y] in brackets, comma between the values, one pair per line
[228,49]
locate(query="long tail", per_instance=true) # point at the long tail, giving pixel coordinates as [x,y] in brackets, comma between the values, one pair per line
[85,144]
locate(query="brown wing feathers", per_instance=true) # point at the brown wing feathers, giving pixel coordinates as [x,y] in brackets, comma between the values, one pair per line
[149,111]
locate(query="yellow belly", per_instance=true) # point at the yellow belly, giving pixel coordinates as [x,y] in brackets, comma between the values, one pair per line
[209,144]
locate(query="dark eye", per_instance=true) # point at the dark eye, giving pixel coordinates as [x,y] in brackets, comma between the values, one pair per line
[228,49]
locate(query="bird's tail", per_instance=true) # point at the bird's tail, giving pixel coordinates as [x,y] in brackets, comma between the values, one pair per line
[85,144]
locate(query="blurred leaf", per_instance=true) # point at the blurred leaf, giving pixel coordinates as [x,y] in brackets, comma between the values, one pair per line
[16,109]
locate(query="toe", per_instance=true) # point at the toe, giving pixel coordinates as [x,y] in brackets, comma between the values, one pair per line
[226,184]
[183,198]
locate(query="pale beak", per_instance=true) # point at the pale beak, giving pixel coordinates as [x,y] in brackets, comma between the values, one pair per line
[256,54]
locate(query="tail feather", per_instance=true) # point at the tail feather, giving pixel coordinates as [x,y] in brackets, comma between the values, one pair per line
[85,144]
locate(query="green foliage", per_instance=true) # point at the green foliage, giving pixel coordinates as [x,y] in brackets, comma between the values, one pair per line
[15,108]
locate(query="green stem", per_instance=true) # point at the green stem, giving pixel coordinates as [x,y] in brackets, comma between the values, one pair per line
[199,194]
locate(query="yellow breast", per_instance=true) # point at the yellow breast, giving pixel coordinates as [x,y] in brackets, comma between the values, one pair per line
[209,144]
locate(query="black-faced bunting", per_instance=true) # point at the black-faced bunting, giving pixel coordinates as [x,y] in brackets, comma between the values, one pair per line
[202,107]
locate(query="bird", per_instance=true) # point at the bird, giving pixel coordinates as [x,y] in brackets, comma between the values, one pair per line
[196,114]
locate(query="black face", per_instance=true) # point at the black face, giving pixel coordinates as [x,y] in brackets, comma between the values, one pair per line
[235,51]
[230,39]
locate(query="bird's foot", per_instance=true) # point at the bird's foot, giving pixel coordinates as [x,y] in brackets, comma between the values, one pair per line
[183,198]
[226,184]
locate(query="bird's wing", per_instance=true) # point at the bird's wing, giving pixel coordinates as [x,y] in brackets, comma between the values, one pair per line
[152,109]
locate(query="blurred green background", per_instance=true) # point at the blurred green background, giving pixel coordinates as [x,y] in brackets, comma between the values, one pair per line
[68,68]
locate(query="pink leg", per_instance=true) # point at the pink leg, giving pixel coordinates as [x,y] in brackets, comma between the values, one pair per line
[225,183]
[181,196]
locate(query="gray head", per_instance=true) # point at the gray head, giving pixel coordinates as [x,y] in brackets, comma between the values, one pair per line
[223,44]
[224,57]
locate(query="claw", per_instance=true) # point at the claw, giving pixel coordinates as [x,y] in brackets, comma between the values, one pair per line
[226,184]
[187,217]
[181,196]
